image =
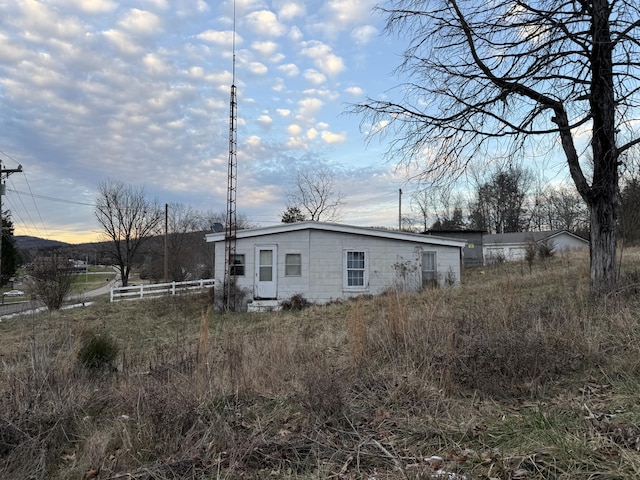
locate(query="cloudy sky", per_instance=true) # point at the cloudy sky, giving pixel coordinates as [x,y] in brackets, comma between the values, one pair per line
[138,91]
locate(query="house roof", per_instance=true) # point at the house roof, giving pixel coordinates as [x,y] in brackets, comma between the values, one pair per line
[339,228]
[523,237]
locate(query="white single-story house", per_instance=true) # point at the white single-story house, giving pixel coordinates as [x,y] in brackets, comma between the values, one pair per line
[327,261]
[513,246]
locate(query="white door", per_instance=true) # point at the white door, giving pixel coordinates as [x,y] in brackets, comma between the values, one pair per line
[429,270]
[266,275]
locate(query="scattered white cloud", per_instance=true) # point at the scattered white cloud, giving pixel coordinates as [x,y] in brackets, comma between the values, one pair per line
[363,34]
[294,129]
[290,10]
[130,90]
[278,85]
[323,57]
[265,120]
[253,141]
[295,35]
[324,93]
[140,22]
[314,76]
[290,69]
[222,38]
[92,6]
[265,48]
[265,23]
[258,68]
[308,108]
[156,65]
[334,138]
[123,43]
[163,4]
[344,13]
[354,91]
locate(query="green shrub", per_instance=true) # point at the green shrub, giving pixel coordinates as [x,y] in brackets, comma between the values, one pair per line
[98,351]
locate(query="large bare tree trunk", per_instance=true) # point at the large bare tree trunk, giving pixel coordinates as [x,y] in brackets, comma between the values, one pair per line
[603,244]
[602,197]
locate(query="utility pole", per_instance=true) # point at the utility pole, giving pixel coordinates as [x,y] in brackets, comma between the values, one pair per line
[166,243]
[4,173]
[399,209]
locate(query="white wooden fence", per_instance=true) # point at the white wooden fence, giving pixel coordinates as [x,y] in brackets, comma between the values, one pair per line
[159,289]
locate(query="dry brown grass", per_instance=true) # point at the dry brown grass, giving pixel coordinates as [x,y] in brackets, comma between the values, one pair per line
[516,374]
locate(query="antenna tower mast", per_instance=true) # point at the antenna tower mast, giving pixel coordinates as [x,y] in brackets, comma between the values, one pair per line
[231,226]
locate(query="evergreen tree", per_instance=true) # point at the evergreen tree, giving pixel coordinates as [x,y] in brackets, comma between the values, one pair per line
[293,214]
[10,254]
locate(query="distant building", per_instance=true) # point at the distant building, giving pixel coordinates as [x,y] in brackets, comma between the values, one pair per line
[473,253]
[513,246]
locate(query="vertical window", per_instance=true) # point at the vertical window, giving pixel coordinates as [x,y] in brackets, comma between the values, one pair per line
[429,271]
[266,266]
[236,266]
[292,265]
[355,269]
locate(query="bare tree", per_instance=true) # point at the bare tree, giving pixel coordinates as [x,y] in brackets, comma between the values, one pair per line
[182,244]
[485,73]
[423,204]
[630,213]
[187,255]
[499,205]
[438,208]
[128,218]
[53,279]
[567,210]
[315,195]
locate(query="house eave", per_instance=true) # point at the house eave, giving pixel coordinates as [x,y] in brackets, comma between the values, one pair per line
[340,228]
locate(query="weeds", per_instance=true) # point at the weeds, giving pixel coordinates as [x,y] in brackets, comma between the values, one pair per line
[508,376]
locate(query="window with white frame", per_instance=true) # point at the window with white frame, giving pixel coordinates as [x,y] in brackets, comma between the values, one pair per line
[356,269]
[292,265]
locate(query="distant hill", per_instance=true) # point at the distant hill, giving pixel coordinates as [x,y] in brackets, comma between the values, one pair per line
[25,242]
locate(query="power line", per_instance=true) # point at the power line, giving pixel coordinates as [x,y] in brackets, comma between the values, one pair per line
[52,199]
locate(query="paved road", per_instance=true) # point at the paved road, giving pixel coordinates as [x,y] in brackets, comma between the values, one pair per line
[17,307]
[28,305]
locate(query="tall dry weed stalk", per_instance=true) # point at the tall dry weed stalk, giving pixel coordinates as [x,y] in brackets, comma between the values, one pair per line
[203,339]
[397,319]
[357,330]
[234,364]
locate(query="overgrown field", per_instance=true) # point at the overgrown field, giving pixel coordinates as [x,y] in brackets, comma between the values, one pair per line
[515,375]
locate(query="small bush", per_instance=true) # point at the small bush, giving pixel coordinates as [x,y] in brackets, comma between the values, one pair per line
[98,351]
[296,302]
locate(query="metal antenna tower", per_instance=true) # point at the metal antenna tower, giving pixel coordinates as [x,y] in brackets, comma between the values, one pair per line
[231,226]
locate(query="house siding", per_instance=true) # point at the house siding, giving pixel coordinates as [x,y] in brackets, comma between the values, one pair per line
[391,263]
